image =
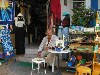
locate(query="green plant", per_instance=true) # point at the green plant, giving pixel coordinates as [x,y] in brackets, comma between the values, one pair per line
[83,16]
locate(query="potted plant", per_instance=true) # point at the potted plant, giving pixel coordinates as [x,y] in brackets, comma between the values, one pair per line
[83,16]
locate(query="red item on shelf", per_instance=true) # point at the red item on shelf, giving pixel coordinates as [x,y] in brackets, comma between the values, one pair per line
[79,57]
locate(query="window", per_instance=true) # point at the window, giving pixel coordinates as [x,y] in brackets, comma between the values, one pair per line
[78,3]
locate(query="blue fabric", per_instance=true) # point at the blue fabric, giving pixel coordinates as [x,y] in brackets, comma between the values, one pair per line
[96,48]
[7,15]
[7,44]
[65,13]
[64,31]
[60,31]
[93,22]
[94,4]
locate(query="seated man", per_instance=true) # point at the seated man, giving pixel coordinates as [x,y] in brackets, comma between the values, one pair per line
[47,42]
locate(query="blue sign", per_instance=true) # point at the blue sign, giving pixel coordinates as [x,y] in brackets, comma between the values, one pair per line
[6,11]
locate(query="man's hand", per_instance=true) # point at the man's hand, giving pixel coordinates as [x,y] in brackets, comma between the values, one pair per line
[39,54]
[46,48]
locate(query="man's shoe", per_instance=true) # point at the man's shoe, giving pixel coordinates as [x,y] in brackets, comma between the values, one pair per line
[45,65]
[50,67]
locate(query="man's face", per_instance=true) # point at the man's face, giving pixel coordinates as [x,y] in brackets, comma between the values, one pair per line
[49,32]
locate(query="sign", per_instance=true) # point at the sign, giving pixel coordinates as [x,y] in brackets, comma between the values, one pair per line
[6,11]
[89,29]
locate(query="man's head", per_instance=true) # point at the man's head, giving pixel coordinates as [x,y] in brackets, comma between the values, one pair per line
[49,32]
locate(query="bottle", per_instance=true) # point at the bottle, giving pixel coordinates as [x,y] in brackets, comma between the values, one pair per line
[97,38]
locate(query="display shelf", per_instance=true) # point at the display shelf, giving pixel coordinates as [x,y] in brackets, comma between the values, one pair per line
[97,42]
[82,33]
[79,37]
[84,43]
[87,43]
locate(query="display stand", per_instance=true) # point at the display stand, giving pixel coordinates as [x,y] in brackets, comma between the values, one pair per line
[97,41]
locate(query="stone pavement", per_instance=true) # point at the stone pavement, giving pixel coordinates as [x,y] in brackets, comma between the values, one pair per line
[13,69]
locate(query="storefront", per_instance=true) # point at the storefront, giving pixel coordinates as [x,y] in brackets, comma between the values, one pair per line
[75,43]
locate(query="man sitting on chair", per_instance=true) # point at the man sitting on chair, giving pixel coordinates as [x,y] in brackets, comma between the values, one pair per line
[47,43]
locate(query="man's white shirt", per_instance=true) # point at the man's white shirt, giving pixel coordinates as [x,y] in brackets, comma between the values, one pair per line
[45,42]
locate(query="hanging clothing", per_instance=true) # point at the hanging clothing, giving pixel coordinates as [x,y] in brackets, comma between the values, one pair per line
[20,40]
[7,44]
[66,21]
[20,30]
[55,9]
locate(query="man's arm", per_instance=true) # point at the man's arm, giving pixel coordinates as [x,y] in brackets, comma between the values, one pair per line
[42,44]
[53,41]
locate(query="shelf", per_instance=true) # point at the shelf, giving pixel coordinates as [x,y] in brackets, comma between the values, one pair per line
[97,42]
[82,33]
[87,43]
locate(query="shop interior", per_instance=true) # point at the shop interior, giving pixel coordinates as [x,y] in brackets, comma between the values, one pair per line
[24,24]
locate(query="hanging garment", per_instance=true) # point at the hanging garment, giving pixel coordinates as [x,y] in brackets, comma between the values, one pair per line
[7,44]
[20,41]
[55,8]
[66,22]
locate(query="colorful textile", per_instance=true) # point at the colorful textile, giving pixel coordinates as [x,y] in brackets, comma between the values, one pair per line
[7,44]
[55,8]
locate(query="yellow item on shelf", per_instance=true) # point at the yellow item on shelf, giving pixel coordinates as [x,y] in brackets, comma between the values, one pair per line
[83,70]
[4,4]
[99,50]
[96,70]
[97,20]
[78,64]
[1,27]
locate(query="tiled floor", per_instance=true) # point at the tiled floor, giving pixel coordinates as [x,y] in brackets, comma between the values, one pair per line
[31,48]
[30,52]
[12,69]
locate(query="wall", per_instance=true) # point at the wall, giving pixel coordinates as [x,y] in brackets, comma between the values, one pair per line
[88,3]
[98,4]
[63,9]
[70,6]
[66,8]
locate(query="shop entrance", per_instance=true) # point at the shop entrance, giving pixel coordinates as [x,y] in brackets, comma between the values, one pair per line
[34,12]
[37,26]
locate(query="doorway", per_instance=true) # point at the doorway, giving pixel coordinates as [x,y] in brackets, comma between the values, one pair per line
[35,24]
[38,20]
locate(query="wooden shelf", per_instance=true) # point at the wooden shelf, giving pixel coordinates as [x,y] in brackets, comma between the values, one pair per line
[87,43]
[97,42]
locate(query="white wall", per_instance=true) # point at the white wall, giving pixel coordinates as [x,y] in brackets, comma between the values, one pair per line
[70,6]
[98,4]
[66,8]
[88,3]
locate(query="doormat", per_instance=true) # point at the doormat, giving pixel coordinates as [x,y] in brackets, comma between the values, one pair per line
[26,64]
[2,60]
